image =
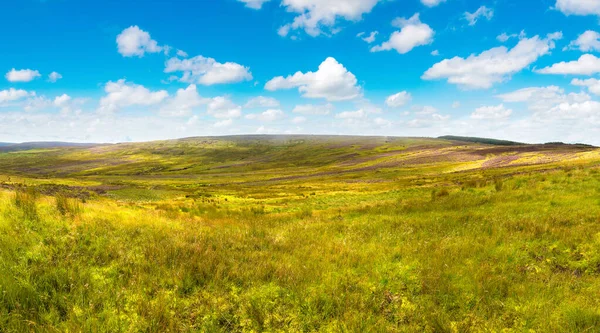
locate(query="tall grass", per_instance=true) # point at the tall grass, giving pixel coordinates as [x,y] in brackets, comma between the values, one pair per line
[67,206]
[25,200]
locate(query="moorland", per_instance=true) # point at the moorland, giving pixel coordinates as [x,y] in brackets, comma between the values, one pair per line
[300,234]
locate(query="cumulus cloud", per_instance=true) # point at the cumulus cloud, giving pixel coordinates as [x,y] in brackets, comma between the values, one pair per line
[421,110]
[492,66]
[269,115]
[432,3]
[586,42]
[318,17]
[62,100]
[587,110]
[299,120]
[578,7]
[587,64]
[262,102]
[54,76]
[183,103]
[593,85]
[332,82]
[398,100]
[492,112]
[12,94]
[381,122]
[207,71]
[134,41]
[312,109]
[254,4]
[222,107]
[223,123]
[352,114]
[121,94]
[412,33]
[428,120]
[540,99]
[23,75]
[481,12]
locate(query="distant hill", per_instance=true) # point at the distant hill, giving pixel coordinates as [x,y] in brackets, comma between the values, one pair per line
[5,147]
[481,140]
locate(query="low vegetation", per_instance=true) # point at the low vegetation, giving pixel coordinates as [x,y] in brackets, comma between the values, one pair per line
[300,234]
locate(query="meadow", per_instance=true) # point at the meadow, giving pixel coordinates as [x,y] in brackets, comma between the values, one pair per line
[300,234]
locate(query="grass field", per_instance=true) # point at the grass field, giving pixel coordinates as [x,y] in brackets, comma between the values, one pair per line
[300,234]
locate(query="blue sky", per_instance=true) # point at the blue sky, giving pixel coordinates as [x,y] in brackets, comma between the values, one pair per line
[136,71]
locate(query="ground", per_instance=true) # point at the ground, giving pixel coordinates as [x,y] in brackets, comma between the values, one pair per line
[300,233]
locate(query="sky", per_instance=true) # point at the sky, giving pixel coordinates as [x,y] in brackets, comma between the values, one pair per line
[133,70]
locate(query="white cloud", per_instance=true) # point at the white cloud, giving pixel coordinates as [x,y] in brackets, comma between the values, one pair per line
[369,39]
[432,3]
[428,120]
[222,107]
[586,42]
[207,71]
[54,76]
[503,37]
[224,123]
[352,114]
[427,109]
[381,122]
[412,33]
[482,11]
[299,120]
[254,4]
[593,85]
[134,41]
[121,94]
[398,100]
[578,7]
[332,82]
[456,105]
[318,17]
[540,99]
[62,100]
[182,53]
[492,112]
[262,102]
[269,115]
[23,75]
[585,110]
[183,103]
[435,53]
[311,109]
[491,66]
[587,64]
[12,94]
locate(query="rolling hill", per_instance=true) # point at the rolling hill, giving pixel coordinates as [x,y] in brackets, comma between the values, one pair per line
[300,234]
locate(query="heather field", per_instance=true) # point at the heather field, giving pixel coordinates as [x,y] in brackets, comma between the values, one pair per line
[300,234]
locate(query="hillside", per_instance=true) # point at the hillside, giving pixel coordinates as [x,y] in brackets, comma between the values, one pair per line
[300,234]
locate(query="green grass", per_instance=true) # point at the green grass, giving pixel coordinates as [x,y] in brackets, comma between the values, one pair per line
[312,240]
